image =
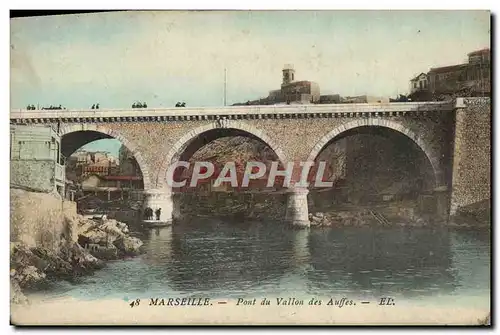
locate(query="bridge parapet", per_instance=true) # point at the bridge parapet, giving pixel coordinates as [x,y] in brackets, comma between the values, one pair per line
[232,112]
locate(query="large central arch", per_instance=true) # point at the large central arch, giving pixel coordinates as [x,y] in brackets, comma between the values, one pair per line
[433,160]
[98,132]
[180,146]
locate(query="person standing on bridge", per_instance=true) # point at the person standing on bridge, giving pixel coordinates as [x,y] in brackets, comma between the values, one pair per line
[158,213]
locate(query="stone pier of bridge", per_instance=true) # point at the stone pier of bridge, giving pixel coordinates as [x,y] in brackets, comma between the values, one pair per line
[297,210]
[296,214]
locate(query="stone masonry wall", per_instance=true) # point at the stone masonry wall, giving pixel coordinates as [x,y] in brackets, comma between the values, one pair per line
[36,175]
[38,219]
[154,142]
[472,154]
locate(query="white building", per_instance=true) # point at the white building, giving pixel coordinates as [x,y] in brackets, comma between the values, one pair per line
[419,83]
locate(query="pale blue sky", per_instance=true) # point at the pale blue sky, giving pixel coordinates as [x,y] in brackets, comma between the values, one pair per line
[165,57]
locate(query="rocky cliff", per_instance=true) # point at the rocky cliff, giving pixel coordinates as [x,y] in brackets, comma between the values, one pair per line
[49,241]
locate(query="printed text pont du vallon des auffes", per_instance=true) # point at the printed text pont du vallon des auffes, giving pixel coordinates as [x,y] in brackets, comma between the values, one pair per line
[279,301]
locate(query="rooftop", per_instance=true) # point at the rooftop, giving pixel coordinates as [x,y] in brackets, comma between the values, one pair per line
[417,76]
[448,68]
[478,52]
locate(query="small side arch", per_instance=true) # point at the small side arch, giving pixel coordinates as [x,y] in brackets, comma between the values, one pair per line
[111,133]
[438,175]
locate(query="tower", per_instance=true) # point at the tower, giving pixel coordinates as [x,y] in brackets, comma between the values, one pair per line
[288,74]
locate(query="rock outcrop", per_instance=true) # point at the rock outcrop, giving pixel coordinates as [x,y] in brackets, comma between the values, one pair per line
[107,238]
[81,250]
[361,218]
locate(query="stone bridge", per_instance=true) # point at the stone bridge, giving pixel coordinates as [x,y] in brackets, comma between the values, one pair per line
[159,137]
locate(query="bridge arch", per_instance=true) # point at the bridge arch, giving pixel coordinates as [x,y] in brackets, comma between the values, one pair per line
[182,144]
[396,126]
[101,132]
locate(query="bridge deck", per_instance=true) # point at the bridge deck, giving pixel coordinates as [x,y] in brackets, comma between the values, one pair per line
[235,111]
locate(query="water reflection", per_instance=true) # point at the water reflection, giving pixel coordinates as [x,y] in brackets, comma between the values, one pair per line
[215,258]
[213,255]
[387,261]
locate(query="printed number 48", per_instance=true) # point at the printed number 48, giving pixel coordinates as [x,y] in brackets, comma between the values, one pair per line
[135,302]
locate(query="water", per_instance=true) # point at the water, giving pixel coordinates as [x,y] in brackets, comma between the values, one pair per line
[230,260]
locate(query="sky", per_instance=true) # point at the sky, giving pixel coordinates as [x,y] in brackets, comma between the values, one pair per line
[115,59]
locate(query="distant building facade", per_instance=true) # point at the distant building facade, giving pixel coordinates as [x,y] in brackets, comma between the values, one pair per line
[293,92]
[112,187]
[469,79]
[83,163]
[419,83]
[306,92]
[329,99]
[363,99]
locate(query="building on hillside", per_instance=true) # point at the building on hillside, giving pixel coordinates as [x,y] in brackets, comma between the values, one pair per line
[293,92]
[480,56]
[472,78]
[329,99]
[36,162]
[419,83]
[83,163]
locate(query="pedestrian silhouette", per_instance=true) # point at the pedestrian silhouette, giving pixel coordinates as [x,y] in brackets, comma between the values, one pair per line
[148,213]
[93,107]
[158,213]
[97,106]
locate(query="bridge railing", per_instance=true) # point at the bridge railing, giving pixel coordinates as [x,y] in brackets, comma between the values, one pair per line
[234,110]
